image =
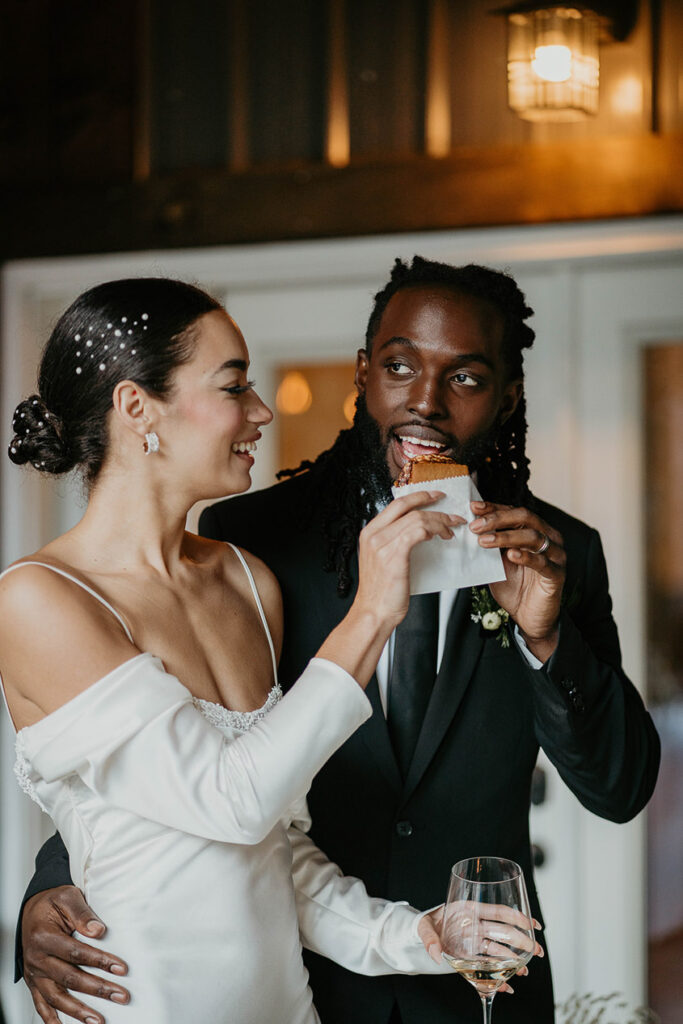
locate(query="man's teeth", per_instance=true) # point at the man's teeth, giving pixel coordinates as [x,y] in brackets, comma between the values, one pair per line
[421,442]
[244,446]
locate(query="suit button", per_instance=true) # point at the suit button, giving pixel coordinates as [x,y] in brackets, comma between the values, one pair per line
[567,684]
[537,855]
[404,829]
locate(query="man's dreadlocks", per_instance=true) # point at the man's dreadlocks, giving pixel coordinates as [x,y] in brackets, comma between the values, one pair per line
[353,480]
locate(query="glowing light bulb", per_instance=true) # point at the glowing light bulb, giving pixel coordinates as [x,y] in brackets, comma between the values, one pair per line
[294,394]
[553,63]
[349,406]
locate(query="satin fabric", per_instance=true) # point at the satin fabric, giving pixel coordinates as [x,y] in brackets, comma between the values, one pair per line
[190,841]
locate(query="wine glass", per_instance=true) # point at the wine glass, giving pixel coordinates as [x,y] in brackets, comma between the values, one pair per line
[487,932]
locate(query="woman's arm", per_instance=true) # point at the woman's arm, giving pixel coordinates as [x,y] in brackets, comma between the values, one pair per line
[365,934]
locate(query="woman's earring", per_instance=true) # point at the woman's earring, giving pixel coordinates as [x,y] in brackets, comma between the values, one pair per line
[151,444]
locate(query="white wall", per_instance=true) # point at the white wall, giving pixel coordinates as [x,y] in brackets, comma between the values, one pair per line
[311,300]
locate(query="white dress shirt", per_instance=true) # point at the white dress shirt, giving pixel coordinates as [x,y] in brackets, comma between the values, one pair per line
[446,601]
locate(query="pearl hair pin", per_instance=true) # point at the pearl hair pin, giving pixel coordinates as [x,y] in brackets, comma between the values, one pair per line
[118,334]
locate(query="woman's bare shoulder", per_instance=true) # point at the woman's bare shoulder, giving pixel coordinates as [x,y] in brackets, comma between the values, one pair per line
[223,555]
[56,638]
[268,590]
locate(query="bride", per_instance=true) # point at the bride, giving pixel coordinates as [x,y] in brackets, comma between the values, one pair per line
[139,668]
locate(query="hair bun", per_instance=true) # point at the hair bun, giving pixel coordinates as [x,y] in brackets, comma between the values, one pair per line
[38,438]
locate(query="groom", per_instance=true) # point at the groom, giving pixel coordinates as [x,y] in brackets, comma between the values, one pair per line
[442,770]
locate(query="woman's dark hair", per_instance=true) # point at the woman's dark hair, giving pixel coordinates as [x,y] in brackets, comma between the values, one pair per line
[502,477]
[138,329]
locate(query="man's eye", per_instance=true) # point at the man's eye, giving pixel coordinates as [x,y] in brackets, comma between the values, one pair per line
[465,378]
[398,368]
[239,389]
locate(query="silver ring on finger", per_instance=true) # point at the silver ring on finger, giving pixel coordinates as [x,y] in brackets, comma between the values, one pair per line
[545,544]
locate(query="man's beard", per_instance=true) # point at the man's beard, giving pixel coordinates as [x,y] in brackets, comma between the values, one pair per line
[373,469]
[371,452]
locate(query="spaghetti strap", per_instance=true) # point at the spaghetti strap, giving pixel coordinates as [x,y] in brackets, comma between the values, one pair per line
[74,579]
[254,590]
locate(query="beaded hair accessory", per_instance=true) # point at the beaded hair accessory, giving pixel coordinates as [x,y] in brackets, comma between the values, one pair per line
[117,340]
[38,409]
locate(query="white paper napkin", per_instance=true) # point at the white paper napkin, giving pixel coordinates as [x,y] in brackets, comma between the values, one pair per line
[439,564]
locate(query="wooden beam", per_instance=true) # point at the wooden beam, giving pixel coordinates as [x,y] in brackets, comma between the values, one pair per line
[238,71]
[515,184]
[142,120]
[439,70]
[337,127]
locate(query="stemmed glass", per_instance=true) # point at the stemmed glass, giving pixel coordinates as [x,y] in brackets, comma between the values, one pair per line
[488,932]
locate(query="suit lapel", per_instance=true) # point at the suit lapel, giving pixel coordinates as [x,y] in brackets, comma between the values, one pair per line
[462,650]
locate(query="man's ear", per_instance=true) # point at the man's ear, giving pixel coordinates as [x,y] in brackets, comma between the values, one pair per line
[362,362]
[511,396]
[134,407]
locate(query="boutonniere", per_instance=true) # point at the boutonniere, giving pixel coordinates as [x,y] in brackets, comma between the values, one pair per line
[491,616]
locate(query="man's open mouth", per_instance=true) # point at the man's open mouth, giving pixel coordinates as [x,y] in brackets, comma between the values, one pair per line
[411,444]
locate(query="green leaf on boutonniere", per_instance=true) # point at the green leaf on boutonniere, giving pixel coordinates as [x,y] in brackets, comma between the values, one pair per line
[492,618]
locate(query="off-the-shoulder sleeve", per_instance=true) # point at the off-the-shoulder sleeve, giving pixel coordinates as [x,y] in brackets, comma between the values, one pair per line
[339,920]
[136,738]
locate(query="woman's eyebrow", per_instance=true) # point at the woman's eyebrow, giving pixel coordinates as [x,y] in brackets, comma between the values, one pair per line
[231,364]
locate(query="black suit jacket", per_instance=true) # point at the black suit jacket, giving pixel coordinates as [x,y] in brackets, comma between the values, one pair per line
[467,790]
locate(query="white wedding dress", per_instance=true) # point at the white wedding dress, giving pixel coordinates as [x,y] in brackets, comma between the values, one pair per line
[185,825]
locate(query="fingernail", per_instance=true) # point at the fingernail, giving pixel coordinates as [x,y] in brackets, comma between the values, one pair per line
[537,924]
[478,504]
[433,951]
[510,989]
[454,518]
[118,969]
[487,538]
[92,1020]
[94,926]
[118,997]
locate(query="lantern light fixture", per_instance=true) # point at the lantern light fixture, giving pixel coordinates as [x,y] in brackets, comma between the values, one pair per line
[553,58]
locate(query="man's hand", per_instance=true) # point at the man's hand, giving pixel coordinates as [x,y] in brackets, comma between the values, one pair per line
[535,567]
[52,956]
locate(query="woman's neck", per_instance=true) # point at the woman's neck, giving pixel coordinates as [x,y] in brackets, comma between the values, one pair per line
[129,524]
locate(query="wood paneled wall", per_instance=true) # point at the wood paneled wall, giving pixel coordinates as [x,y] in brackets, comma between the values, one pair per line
[137,123]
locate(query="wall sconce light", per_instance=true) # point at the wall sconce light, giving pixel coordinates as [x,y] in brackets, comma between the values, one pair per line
[553,60]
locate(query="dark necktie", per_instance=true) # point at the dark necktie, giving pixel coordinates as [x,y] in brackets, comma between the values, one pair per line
[413,673]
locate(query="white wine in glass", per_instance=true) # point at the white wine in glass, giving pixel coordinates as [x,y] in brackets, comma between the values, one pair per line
[488,932]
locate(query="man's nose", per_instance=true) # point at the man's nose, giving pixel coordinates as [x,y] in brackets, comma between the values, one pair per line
[426,399]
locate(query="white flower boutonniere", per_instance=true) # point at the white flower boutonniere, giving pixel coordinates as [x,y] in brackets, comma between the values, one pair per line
[490,615]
